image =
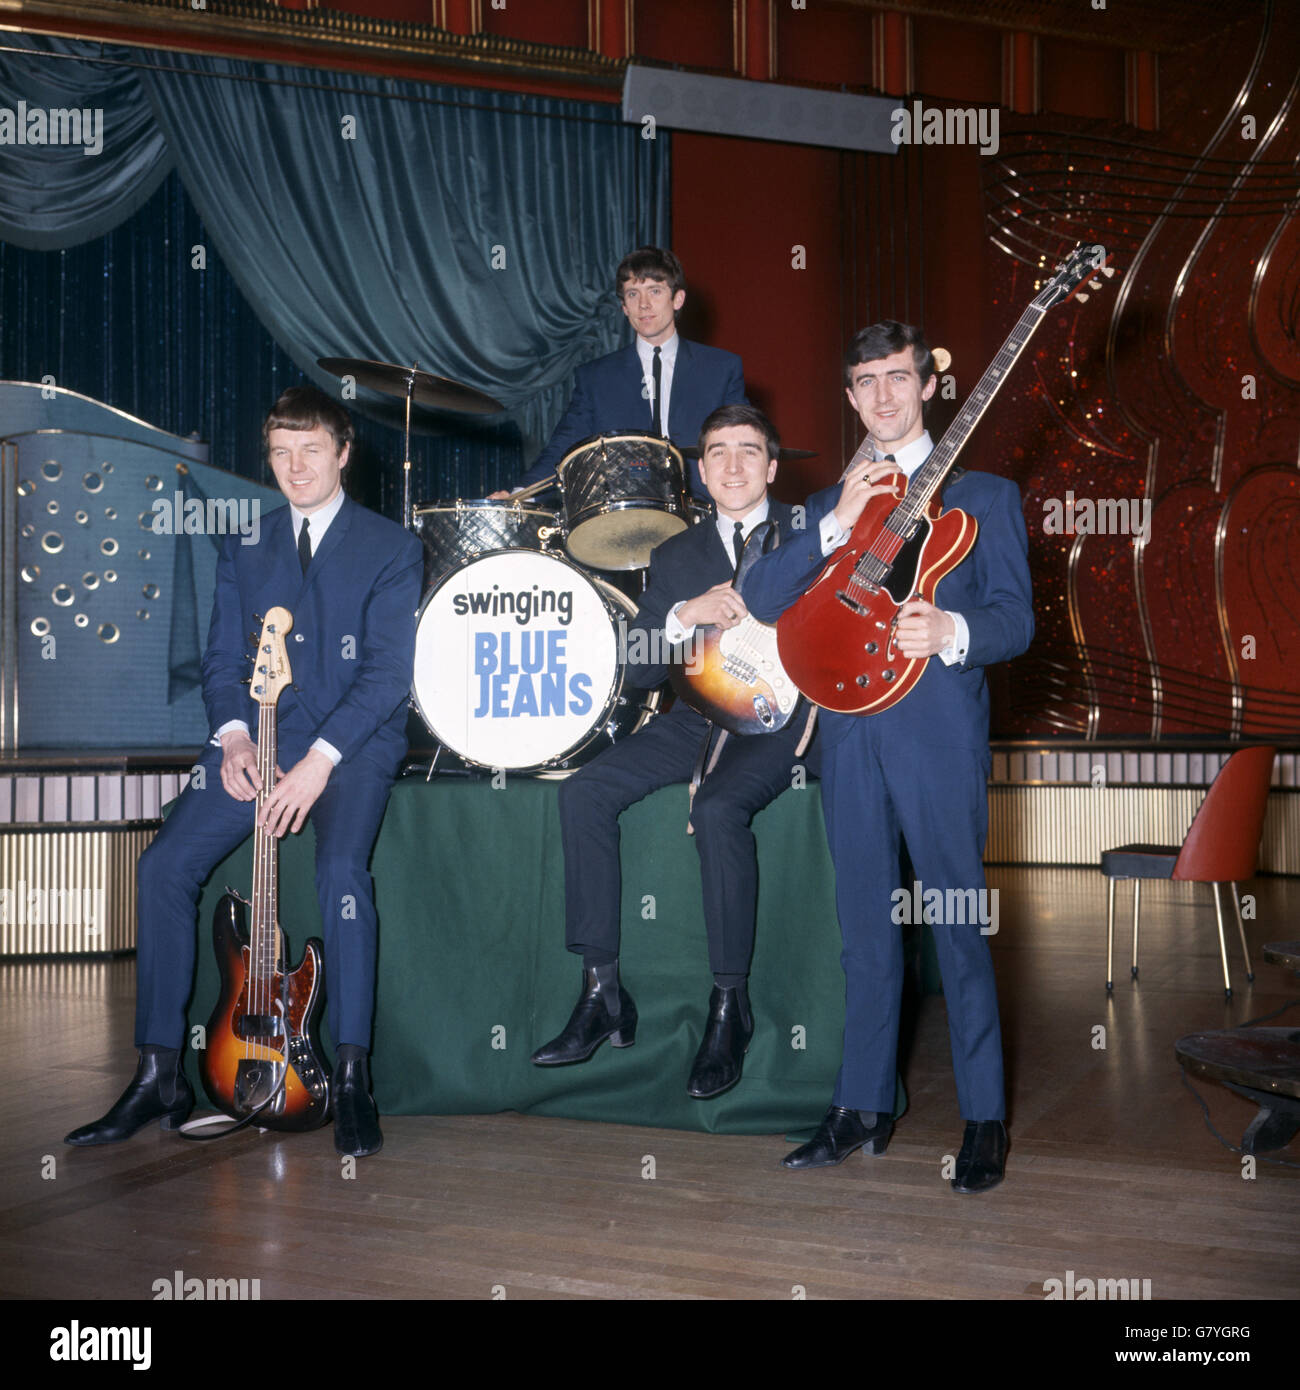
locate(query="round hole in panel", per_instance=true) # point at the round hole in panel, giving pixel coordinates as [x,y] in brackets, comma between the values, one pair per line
[108,546]
[108,632]
[30,573]
[90,579]
[144,554]
[28,531]
[146,521]
[83,518]
[52,469]
[142,614]
[110,576]
[52,507]
[111,513]
[81,620]
[26,488]
[40,627]
[154,483]
[51,542]
[92,482]
[105,467]
[63,595]
[150,591]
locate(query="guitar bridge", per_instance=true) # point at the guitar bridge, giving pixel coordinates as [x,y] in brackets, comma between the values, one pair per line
[256,1081]
[849,603]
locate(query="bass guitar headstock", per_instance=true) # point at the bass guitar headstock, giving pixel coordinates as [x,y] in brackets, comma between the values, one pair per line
[271,663]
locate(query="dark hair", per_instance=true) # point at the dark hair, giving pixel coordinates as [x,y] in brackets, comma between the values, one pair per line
[649,263]
[883,339]
[306,408]
[741,414]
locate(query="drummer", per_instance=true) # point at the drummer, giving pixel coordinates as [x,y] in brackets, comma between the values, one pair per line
[659,384]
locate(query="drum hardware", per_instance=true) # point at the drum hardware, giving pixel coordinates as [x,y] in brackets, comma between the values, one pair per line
[436,392]
[460,529]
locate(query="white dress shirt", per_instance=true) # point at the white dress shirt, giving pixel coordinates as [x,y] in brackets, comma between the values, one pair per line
[676,631]
[667,361]
[320,523]
[909,458]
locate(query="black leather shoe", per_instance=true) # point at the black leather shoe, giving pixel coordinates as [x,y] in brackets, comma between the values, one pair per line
[983,1156]
[158,1091]
[356,1118]
[604,1010]
[840,1133]
[726,1040]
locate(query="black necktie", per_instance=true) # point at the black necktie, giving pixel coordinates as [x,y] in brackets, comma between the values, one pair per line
[737,540]
[656,419]
[304,545]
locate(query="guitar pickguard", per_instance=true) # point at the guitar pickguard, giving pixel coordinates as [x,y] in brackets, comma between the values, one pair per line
[900,582]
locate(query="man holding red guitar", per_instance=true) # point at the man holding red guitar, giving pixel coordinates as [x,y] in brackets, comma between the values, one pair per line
[916,769]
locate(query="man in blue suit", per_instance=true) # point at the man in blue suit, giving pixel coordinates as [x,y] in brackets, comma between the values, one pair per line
[617,393]
[351,580]
[916,772]
[690,584]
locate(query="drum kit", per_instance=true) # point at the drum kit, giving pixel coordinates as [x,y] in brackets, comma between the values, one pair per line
[520,650]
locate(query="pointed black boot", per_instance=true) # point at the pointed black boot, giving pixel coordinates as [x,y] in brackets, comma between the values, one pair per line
[158,1091]
[983,1157]
[726,1040]
[841,1133]
[604,1010]
[356,1117]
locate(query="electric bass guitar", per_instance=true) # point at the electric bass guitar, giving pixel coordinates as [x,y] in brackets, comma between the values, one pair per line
[734,675]
[263,1058]
[837,641]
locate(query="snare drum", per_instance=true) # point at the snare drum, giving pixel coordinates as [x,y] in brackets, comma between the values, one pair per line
[463,529]
[519,663]
[623,494]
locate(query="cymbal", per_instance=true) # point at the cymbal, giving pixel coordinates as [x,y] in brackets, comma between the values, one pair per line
[438,392]
[692,451]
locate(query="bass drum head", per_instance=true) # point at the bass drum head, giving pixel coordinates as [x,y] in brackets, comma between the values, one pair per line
[518,660]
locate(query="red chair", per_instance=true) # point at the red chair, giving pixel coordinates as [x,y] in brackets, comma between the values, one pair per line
[1222,846]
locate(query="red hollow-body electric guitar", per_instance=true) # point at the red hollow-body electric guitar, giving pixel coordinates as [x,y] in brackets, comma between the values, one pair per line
[837,641]
[262,1055]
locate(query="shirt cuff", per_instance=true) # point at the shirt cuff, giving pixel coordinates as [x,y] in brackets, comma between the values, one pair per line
[954,654]
[832,533]
[228,728]
[674,629]
[332,753]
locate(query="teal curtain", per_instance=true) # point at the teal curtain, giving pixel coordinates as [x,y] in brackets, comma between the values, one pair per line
[475,232]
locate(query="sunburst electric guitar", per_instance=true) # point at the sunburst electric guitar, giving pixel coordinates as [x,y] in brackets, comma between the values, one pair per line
[262,1056]
[837,640]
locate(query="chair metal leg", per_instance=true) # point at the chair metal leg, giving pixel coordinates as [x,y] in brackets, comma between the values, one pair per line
[1137,902]
[1223,950]
[1241,931]
[1110,937]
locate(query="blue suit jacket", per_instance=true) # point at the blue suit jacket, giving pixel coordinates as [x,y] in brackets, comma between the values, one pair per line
[607,399]
[352,647]
[949,705]
[683,567]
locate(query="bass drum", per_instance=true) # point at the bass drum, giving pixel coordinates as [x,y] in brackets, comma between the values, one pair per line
[520,662]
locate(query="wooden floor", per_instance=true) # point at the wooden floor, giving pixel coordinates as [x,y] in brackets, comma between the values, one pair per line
[1112,1172]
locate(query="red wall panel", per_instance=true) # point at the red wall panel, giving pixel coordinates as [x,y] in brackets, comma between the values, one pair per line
[831,44]
[562,22]
[695,32]
[960,62]
[1082,80]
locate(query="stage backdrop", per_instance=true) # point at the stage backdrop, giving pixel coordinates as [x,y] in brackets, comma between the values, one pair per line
[473,231]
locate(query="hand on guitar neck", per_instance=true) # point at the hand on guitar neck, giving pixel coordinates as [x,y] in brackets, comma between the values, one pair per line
[864,480]
[294,794]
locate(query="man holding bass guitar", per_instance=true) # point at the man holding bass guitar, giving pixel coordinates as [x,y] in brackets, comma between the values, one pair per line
[689,585]
[351,582]
[916,770]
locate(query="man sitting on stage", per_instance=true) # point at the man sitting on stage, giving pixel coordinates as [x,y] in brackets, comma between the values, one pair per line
[660,384]
[351,580]
[916,771]
[689,584]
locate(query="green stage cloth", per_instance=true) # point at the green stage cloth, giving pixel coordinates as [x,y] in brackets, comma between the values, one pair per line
[473,974]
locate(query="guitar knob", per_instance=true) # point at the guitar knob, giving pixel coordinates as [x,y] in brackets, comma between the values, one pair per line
[865,680]
[886,675]
[871,649]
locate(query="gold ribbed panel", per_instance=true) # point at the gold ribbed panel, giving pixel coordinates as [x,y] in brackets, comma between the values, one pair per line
[78,874]
[1073,825]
